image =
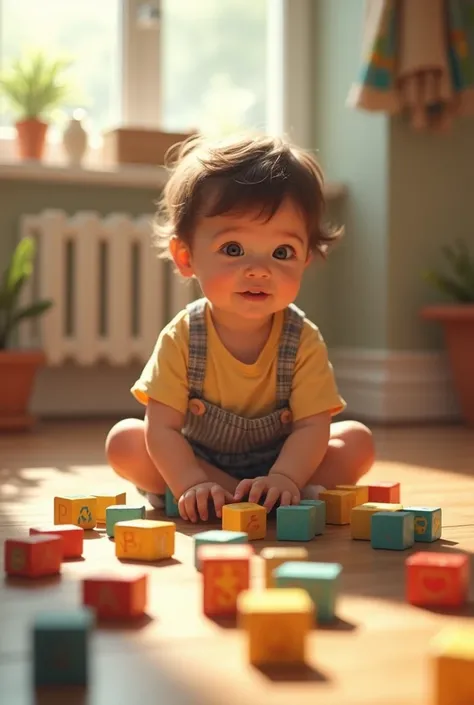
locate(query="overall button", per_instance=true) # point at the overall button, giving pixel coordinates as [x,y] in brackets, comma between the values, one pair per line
[286,416]
[196,407]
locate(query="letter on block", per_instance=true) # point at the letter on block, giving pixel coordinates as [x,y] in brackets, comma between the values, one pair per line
[437,579]
[122,512]
[339,504]
[452,655]
[80,510]
[61,647]
[296,522]
[216,537]
[387,492]
[320,580]
[144,539]
[361,517]
[247,517]
[226,573]
[116,596]
[72,537]
[104,501]
[361,492]
[427,523]
[277,622]
[275,557]
[34,556]
[392,530]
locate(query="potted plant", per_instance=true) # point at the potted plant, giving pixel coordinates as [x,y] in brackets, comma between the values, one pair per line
[457,318]
[34,86]
[18,367]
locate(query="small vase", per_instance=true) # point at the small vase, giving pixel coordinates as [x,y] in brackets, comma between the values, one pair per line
[75,141]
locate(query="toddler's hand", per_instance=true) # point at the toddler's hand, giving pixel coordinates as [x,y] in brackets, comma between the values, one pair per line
[193,504]
[274,486]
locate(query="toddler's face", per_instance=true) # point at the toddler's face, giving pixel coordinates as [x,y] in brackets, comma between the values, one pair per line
[250,266]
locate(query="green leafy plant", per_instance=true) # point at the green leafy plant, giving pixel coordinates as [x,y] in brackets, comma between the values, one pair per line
[458,285]
[36,85]
[17,273]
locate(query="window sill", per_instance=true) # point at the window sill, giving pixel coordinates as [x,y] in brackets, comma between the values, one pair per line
[140,177]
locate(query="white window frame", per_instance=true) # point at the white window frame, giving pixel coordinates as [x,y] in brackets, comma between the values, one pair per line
[290,108]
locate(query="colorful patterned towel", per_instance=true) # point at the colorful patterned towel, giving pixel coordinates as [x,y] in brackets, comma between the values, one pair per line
[418,59]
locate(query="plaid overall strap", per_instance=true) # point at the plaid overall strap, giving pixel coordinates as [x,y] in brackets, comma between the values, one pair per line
[287,351]
[197,347]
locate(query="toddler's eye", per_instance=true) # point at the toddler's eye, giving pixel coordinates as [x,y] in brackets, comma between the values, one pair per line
[283,252]
[232,249]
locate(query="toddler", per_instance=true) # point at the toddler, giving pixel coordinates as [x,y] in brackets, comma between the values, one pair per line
[239,393]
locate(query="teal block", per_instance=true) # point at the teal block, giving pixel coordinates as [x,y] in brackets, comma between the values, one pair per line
[320,514]
[61,647]
[392,530]
[171,504]
[320,580]
[296,522]
[122,512]
[217,536]
[427,523]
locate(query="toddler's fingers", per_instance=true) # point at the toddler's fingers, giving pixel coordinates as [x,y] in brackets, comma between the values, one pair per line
[272,497]
[219,498]
[286,498]
[202,498]
[242,489]
[190,505]
[257,490]
[182,509]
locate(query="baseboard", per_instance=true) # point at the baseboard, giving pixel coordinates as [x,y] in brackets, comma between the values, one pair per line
[395,386]
[379,386]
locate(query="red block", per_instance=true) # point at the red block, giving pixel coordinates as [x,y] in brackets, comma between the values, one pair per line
[388,492]
[226,572]
[34,556]
[438,579]
[72,537]
[116,596]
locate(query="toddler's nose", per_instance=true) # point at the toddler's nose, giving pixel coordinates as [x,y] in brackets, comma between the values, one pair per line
[257,270]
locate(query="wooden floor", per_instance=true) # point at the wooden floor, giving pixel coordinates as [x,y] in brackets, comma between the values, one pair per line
[377,654]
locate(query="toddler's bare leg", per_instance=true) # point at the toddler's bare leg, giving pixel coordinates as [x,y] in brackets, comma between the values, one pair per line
[127,454]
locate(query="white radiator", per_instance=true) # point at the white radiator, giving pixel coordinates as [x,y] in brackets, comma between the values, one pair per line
[111,292]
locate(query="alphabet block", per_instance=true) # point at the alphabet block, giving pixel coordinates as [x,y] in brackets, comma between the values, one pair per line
[320,580]
[392,530]
[72,537]
[171,504]
[320,507]
[277,622]
[339,504]
[296,522]
[437,579]
[122,512]
[247,517]
[226,573]
[216,537]
[144,539]
[383,491]
[104,501]
[33,556]
[452,657]
[61,647]
[427,523]
[116,596]
[361,518]
[80,510]
[361,492]
[275,557]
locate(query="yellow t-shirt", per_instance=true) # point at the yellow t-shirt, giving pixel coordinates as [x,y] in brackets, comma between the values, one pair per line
[246,390]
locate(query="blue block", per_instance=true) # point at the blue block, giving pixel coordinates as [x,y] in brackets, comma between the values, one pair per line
[320,580]
[320,514]
[171,504]
[122,512]
[296,522]
[215,536]
[61,647]
[392,530]
[427,522]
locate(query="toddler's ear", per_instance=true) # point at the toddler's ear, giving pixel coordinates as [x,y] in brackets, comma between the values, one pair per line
[181,256]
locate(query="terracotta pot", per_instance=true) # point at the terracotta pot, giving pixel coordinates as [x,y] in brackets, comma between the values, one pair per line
[458,323]
[31,138]
[18,370]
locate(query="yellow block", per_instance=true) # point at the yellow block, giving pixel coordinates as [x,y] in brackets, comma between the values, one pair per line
[245,516]
[452,653]
[104,501]
[80,510]
[361,492]
[274,557]
[361,517]
[144,539]
[339,504]
[277,622]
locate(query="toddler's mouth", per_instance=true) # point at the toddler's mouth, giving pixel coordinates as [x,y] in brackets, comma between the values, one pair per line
[254,295]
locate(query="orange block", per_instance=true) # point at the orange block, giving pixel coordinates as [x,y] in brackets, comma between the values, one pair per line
[437,579]
[72,537]
[226,572]
[388,492]
[116,596]
[33,556]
